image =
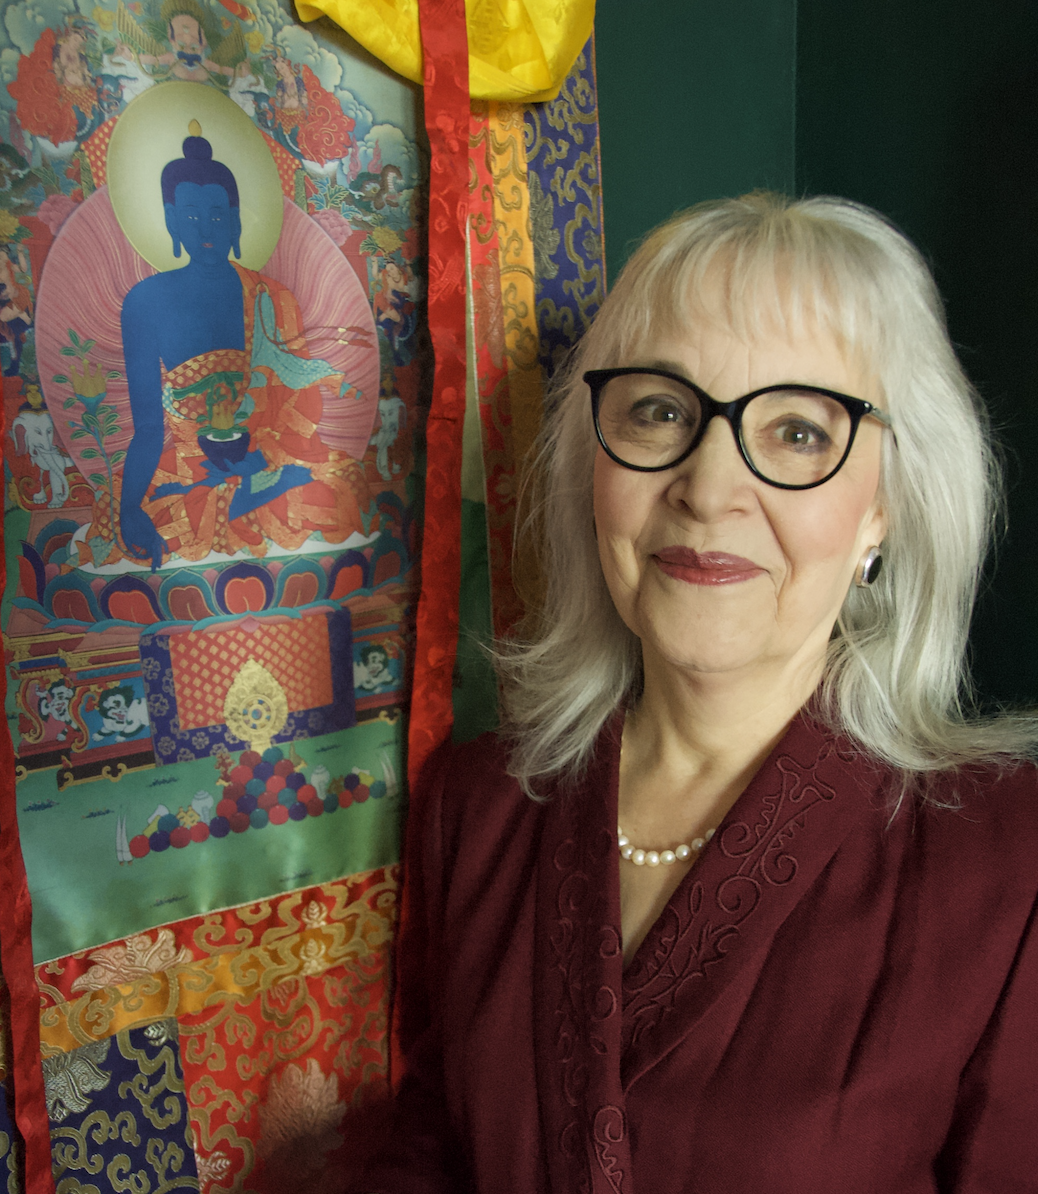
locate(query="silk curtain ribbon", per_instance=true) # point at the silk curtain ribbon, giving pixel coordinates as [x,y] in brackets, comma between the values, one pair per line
[517,49]
[444,43]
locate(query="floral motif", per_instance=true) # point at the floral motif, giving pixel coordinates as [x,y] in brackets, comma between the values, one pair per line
[543,232]
[312,954]
[213,1168]
[70,1078]
[314,915]
[300,1117]
[135,958]
[161,1032]
[488,311]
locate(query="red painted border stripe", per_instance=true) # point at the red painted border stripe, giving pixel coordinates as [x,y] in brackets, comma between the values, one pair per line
[26,1075]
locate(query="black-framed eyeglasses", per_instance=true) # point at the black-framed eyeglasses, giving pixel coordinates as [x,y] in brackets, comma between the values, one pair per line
[790,436]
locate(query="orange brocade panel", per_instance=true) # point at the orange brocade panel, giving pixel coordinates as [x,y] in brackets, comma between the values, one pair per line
[205,665]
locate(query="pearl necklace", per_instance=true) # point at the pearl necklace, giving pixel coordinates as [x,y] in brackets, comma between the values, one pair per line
[655,857]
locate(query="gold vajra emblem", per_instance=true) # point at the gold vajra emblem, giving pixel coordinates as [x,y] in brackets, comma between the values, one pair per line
[256,708]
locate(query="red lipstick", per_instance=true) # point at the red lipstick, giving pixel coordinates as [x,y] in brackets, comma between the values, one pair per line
[705,568]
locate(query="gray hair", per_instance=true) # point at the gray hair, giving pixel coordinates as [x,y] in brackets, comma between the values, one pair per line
[895,678]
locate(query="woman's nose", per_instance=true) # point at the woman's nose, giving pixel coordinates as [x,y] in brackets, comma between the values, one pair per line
[714,479]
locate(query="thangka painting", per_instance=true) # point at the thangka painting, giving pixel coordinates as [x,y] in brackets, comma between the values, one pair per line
[210,281]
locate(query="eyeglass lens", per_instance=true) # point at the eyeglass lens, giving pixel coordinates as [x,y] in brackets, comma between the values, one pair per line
[793,437]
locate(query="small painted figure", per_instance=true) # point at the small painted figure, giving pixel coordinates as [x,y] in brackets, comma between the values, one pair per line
[373,672]
[58,95]
[394,307]
[302,114]
[123,715]
[32,430]
[54,705]
[16,311]
[392,415]
[191,55]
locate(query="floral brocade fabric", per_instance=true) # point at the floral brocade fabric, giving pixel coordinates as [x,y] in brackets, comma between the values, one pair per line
[220,1052]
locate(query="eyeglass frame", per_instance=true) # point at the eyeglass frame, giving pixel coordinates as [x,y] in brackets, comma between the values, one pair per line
[732,412]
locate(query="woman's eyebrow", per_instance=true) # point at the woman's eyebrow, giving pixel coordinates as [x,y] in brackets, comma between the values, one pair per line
[665,365]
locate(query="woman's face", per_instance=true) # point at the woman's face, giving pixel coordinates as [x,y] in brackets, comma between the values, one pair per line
[714,570]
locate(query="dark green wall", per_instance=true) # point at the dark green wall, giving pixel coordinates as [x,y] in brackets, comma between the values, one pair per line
[925,109]
[696,99]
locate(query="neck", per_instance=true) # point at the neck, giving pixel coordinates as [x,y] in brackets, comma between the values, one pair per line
[208,269]
[695,740]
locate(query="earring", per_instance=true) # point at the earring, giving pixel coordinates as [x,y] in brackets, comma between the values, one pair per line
[869,568]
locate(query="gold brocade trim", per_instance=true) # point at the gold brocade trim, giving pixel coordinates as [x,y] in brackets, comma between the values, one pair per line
[310,937]
[518,287]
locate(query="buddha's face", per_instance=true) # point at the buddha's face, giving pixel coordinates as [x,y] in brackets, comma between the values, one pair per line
[202,219]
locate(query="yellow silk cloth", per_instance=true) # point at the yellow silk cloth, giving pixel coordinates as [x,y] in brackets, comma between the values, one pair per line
[518,49]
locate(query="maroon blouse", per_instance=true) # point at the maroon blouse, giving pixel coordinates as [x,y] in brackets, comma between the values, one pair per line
[832,1002]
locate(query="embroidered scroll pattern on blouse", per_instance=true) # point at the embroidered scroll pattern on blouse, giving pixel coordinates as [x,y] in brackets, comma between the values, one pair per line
[580,940]
[699,927]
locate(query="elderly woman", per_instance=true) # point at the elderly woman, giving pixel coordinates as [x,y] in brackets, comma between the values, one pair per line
[742,902]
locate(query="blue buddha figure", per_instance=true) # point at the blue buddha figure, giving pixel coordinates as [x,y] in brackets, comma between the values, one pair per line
[225,454]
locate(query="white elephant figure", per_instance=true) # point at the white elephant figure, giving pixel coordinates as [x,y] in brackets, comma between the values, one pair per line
[393,413]
[33,432]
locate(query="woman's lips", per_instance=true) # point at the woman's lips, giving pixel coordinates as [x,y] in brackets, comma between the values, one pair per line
[705,568]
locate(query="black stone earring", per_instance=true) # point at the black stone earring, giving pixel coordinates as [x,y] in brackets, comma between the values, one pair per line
[869,568]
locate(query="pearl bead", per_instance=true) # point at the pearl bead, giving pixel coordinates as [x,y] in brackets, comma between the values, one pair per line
[655,857]
[710,833]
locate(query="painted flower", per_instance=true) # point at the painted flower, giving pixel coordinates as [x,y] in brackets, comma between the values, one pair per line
[55,210]
[386,238]
[334,223]
[9,224]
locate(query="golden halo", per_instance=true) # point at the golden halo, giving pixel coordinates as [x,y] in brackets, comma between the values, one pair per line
[151,132]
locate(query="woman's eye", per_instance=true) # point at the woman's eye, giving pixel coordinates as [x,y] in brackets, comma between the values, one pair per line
[657,410]
[797,433]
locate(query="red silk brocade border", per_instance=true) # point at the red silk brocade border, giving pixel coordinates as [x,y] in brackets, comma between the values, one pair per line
[445,49]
